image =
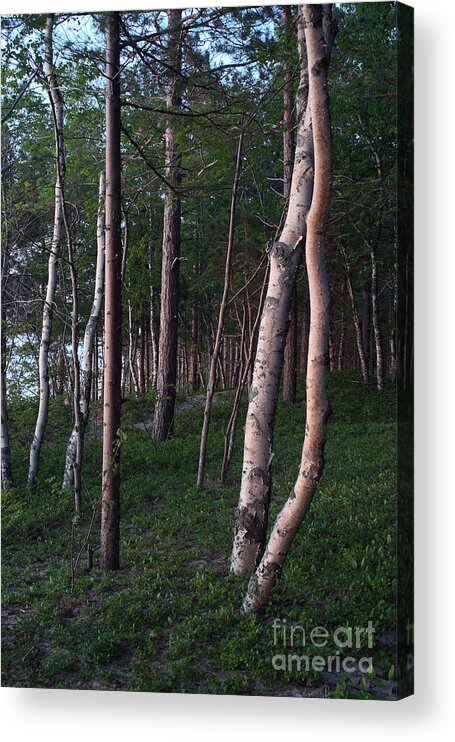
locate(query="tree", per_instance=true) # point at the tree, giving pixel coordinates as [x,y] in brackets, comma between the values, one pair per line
[170,267]
[56,100]
[318,406]
[76,440]
[110,498]
[6,470]
[285,256]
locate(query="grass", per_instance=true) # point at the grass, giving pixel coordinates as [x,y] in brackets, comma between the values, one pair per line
[169,619]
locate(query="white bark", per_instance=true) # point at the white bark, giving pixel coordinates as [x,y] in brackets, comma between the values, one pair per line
[56,101]
[89,344]
[6,472]
[376,320]
[285,256]
[318,406]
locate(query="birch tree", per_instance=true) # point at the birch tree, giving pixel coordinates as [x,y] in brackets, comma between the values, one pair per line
[285,256]
[76,440]
[318,406]
[56,101]
[6,470]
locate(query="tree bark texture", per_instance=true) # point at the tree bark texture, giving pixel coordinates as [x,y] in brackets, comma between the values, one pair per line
[6,470]
[110,497]
[56,101]
[284,256]
[163,423]
[89,350]
[318,406]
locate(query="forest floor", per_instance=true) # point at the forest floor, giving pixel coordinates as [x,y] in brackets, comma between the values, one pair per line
[169,619]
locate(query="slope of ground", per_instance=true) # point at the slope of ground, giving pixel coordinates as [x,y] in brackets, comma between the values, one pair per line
[169,619]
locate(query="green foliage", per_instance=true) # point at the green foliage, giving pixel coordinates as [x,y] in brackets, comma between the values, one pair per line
[169,619]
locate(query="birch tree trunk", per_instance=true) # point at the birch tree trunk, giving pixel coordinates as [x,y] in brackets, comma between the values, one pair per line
[376,320]
[6,470]
[285,256]
[89,351]
[318,406]
[77,467]
[132,350]
[219,332]
[163,423]
[110,495]
[56,101]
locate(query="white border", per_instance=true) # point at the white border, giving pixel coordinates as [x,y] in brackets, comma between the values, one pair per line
[80,715]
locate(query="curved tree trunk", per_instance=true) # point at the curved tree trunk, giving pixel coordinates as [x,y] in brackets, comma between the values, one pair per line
[89,346]
[285,256]
[110,493]
[56,100]
[318,406]
[163,423]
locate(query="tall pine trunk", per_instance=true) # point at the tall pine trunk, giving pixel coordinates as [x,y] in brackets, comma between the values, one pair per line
[56,101]
[110,496]
[163,423]
[318,406]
